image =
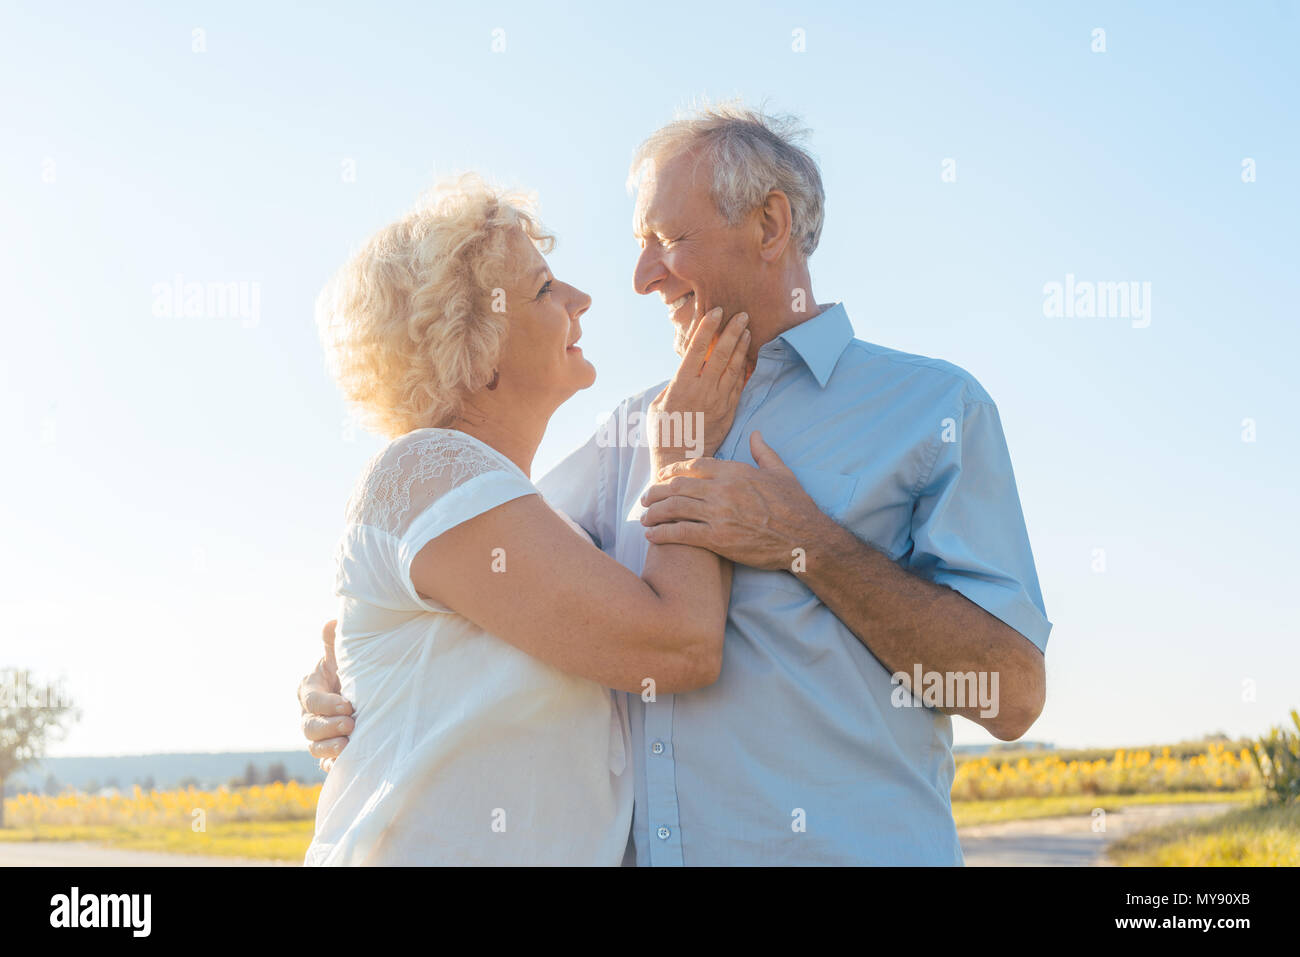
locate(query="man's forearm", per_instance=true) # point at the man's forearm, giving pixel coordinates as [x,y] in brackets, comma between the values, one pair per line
[762,517]
[906,621]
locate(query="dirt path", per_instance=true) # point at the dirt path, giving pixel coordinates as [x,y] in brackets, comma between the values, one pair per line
[1067,841]
[81,854]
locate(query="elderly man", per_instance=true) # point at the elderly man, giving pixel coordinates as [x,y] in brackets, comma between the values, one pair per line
[867,499]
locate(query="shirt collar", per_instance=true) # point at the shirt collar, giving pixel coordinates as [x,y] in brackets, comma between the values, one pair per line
[821,340]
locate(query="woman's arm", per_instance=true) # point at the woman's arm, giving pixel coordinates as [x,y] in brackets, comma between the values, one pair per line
[569,604]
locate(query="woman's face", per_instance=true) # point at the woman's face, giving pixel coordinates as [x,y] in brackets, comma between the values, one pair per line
[541,357]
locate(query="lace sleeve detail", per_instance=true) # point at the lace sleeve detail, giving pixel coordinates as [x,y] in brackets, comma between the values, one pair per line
[416,471]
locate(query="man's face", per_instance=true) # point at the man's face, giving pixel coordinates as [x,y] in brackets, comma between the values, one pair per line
[690,256]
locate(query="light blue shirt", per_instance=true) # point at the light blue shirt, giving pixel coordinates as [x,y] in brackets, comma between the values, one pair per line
[797,755]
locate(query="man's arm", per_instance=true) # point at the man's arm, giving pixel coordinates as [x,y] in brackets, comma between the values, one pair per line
[906,621]
[760,516]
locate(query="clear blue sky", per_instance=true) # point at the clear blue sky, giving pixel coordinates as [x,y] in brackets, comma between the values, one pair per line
[173,487]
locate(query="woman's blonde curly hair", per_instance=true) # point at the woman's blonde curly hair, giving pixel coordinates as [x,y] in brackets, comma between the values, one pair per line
[408,324]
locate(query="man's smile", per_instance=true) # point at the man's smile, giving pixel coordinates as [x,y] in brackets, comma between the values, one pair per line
[679,302]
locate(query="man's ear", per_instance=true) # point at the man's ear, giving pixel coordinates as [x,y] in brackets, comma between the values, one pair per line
[775,221]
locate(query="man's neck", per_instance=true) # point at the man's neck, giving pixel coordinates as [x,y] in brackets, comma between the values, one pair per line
[787,307]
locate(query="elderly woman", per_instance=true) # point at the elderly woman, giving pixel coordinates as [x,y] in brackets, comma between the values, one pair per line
[480,631]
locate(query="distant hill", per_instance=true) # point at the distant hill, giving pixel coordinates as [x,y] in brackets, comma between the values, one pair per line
[966,750]
[1009,752]
[164,771]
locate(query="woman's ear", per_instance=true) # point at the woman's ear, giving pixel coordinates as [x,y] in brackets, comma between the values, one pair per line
[774,218]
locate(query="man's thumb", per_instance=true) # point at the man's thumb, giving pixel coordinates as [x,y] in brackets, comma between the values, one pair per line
[764,457]
[327,634]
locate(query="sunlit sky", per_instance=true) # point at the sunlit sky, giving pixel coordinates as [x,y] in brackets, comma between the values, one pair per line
[173,486]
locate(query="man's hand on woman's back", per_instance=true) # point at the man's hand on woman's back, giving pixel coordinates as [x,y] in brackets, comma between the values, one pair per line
[326,715]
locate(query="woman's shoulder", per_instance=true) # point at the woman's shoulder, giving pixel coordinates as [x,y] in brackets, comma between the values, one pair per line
[416,469]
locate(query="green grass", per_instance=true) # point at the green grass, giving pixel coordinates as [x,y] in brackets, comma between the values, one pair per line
[1267,836]
[1255,836]
[1020,809]
[264,840]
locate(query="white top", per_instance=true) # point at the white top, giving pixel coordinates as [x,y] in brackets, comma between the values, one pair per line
[466,749]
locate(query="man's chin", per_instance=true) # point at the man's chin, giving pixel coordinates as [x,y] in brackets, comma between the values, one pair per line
[682,334]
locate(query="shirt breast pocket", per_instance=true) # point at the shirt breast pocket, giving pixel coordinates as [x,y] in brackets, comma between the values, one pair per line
[832,491]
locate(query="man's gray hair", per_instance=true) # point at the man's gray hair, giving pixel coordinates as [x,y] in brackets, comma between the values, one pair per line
[753,153]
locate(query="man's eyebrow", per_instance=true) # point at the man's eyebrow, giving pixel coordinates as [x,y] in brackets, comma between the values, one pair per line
[643,227]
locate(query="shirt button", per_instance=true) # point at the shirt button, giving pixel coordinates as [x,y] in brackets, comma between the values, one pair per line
[664,833]
[657,748]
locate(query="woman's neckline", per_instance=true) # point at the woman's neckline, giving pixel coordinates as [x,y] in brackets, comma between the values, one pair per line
[474,438]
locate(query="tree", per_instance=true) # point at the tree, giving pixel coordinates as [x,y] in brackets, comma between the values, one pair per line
[250,775]
[277,772]
[31,716]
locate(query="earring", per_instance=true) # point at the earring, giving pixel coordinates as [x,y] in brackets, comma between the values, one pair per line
[496,378]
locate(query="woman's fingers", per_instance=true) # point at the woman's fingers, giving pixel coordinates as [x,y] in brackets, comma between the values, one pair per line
[698,351]
[735,371]
[680,485]
[726,346]
[675,508]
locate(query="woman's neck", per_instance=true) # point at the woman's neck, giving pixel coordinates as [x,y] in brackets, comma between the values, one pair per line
[516,435]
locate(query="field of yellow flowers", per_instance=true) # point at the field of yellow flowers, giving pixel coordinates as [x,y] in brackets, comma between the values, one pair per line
[191,809]
[1218,768]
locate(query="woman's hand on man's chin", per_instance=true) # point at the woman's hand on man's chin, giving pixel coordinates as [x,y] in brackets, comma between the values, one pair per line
[693,414]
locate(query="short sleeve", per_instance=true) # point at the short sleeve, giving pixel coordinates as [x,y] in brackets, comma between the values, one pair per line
[429,482]
[968,531]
